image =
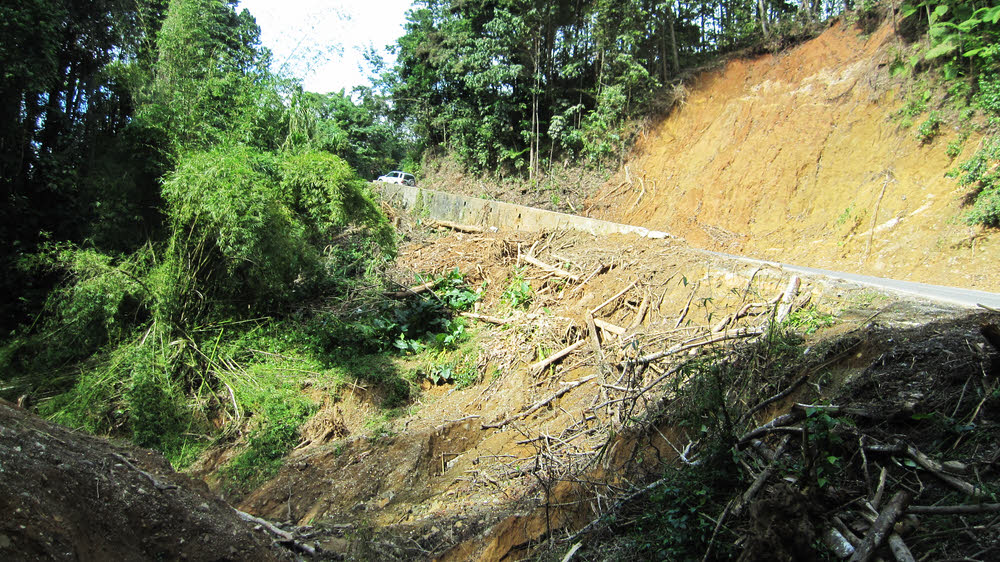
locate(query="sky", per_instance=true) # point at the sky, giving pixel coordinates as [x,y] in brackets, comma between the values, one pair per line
[322,41]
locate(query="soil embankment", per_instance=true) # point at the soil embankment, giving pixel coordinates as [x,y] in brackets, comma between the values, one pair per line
[798,157]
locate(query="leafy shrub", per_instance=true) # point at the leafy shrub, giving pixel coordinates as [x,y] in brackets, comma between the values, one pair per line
[929,128]
[518,293]
[981,173]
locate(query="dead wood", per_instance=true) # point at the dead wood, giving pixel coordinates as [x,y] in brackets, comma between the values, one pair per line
[965,509]
[541,365]
[553,270]
[882,526]
[540,403]
[899,549]
[680,348]
[787,299]
[640,315]
[687,306]
[600,269]
[284,537]
[761,479]
[469,228]
[485,318]
[929,465]
[838,543]
[781,421]
[415,290]
[609,327]
[614,298]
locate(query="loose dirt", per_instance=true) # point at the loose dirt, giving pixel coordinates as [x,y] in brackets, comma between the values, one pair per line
[800,157]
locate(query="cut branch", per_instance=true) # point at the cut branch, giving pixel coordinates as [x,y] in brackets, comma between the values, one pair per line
[540,404]
[553,270]
[541,365]
[882,526]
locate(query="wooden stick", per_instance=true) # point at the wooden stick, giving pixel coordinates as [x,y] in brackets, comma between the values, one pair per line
[686,307]
[882,526]
[899,549]
[541,365]
[641,314]
[415,290]
[553,270]
[780,421]
[761,479]
[966,509]
[609,327]
[741,333]
[485,318]
[799,382]
[472,229]
[614,298]
[787,298]
[600,269]
[541,403]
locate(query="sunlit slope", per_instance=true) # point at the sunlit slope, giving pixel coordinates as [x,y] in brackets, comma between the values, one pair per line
[798,157]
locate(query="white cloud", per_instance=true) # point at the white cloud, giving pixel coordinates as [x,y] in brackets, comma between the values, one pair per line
[322,42]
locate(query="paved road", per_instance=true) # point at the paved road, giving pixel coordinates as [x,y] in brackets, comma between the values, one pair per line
[939,293]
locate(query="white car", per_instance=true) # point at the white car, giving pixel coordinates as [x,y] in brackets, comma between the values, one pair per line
[398,177]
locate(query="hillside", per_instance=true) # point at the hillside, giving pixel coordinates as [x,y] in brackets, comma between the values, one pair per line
[801,157]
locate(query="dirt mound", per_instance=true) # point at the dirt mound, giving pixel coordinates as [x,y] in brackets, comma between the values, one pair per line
[798,157]
[70,496]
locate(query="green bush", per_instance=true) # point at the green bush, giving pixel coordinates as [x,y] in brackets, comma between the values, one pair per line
[981,173]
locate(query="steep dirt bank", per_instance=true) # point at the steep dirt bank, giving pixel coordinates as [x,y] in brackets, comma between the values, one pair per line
[797,157]
[65,495]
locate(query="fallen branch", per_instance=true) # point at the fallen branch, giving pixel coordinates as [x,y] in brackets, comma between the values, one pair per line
[156,483]
[787,299]
[600,269]
[614,298]
[882,526]
[781,421]
[899,549]
[471,229]
[415,290]
[686,306]
[284,537]
[541,403]
[929,465]
[741,333]
[965,509]
[761,479]
[485,318]
[553,270]
[640,315]
[609,327]
[541,365]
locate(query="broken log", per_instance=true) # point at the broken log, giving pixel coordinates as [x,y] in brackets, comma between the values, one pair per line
[553,270]
[899,549]
[609,327]
[641,314]
[882,526]
[540,403]
[469,228]
[614,298]
[415,290]
[541,365]
[964,509]
[485,318]
[787,299]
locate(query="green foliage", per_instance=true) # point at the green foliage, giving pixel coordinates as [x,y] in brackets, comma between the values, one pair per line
[981,174]
[929,128]
[518,293]
[809,320]
[281,410]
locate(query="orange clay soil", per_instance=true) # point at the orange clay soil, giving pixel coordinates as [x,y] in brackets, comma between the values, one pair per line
[798,157]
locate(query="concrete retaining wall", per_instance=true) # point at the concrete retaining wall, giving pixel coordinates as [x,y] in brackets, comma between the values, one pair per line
[472,210]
